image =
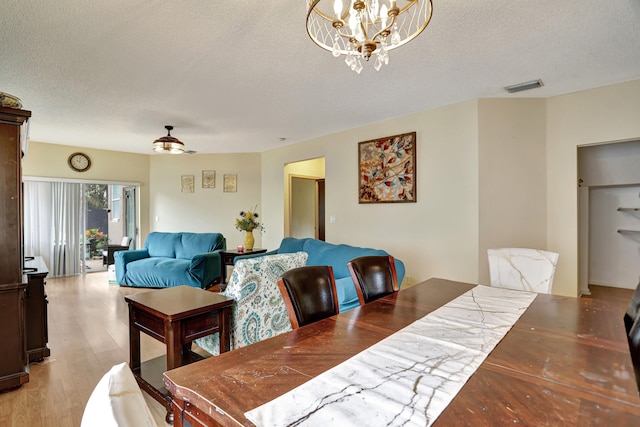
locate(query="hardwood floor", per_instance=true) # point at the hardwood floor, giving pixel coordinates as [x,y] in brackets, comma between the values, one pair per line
[88,334]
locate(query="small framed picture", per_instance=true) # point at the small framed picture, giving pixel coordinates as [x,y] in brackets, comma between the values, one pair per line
[186,183]
[230,183]
[208,179]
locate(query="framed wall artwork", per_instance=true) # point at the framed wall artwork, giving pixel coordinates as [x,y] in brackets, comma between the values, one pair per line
[186,183]
[387,169]
[208,179]
[230,184]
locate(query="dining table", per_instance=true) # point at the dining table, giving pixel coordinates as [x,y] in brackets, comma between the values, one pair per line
[565,361]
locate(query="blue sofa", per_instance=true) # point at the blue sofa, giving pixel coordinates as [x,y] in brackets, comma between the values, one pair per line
[337,256]
[172,259]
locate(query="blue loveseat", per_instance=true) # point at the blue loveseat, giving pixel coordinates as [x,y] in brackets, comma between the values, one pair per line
[337,256]
[172,259]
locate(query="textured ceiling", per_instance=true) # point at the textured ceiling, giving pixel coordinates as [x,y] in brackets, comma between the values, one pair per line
[236,76]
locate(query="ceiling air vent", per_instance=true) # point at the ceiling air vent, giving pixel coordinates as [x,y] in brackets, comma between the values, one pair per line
[523,86]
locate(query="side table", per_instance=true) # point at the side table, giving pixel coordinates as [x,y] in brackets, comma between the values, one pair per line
[229,256]
[175,316]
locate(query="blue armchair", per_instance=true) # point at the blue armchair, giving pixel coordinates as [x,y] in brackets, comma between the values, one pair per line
[172,259]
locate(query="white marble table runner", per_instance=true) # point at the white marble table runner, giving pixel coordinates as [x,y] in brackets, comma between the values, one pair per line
[409,378]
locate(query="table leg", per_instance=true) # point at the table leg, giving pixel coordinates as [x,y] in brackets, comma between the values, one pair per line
[176,405]
[134,341]
[174,346]
[224,322]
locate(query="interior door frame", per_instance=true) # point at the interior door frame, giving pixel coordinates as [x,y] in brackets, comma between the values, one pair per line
[319,204]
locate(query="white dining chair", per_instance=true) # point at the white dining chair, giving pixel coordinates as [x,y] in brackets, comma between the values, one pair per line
[522,269]
[118,401]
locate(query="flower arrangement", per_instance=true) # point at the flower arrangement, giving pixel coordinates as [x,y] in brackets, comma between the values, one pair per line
[94,233]
[97,240]
[248,221]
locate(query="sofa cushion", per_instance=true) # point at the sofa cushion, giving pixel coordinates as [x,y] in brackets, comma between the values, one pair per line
[259,312]
[160,272]
[337,256]
[291,244]
[192,244]
[162,244]
[347,294]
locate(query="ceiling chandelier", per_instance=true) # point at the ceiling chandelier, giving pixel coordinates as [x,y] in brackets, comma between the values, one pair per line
[168,144]
[360,28]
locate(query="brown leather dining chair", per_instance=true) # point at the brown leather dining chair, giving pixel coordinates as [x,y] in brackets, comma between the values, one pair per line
[632,309]
[374,277]
[634,347]
[309,294]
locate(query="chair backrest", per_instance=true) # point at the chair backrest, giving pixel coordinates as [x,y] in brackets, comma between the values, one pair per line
[373,276]
[522,269]
[309,294]
[117,400]
[632,310]
[634,347]
[259,312]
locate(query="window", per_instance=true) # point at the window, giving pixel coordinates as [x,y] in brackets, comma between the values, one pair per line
[116,192]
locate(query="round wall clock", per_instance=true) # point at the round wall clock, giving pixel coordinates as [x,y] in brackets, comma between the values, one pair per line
[79,162]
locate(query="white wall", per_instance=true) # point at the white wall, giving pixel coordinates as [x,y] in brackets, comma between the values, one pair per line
[435,237]
[599,115]
[206,209]
[613,256]
[442,235]
[512,159]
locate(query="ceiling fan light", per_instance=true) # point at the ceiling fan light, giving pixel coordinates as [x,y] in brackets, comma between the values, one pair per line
[168,144]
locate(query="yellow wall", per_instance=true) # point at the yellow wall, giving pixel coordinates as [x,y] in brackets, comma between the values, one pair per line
[491,173]
[605,114]
[437,235]
[512,159]
[50,160]
[204,210]
[499,172]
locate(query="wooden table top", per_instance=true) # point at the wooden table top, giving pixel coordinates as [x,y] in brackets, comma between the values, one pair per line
[565,362]
[178,301]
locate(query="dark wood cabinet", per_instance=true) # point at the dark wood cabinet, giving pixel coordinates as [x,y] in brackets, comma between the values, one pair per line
[14,366]
[36,310]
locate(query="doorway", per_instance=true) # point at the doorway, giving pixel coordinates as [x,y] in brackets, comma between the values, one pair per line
[608,220]
[307,207]
[305,199]
[70,223]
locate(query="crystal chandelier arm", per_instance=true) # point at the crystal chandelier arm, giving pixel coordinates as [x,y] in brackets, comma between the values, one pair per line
[393,13]
[338,28]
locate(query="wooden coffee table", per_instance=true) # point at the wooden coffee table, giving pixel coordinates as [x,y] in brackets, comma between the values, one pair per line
[175,316]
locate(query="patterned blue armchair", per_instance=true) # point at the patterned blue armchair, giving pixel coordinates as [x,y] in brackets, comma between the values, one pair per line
[259,312]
